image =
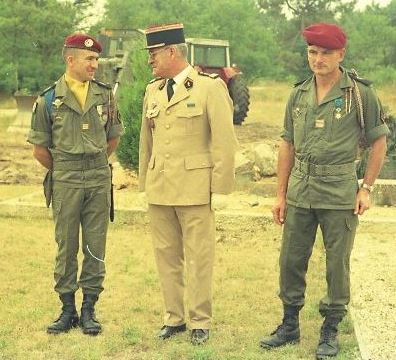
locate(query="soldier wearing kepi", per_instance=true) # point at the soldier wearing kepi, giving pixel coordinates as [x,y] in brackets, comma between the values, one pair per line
[326,116]
[75,127]
[187,147]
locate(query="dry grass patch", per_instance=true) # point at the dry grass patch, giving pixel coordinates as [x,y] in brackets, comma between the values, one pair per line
[245,299]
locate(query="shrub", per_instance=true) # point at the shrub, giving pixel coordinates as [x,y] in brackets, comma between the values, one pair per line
[130,105]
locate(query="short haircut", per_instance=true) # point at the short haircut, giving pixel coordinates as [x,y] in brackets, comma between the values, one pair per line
[182,49]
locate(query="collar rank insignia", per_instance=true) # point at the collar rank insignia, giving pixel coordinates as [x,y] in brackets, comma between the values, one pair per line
[162,84]
[188,83]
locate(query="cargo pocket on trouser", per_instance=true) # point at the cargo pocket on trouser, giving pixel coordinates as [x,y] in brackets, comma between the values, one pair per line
[94,231]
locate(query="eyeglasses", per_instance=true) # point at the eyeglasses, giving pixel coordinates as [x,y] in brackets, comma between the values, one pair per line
[153,54]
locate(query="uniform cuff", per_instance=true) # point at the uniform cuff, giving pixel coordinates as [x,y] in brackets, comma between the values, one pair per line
[39,138]
[285,135]
[377,132]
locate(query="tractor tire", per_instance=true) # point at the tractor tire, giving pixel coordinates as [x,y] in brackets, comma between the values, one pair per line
[239,94]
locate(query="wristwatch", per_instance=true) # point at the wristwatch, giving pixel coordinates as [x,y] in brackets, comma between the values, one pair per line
[368,187]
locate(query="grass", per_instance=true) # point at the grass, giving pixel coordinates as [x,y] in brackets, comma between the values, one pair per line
[245,298]
[246,305]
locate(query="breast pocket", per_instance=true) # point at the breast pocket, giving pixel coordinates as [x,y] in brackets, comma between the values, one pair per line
[191,120]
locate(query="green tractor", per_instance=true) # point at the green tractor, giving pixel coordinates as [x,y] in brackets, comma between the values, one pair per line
[213,56]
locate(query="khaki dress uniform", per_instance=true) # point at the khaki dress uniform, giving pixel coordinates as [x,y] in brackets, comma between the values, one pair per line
[187,148]
[323,186]
[77,140]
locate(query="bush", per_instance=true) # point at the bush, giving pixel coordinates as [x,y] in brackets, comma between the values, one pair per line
[130,105]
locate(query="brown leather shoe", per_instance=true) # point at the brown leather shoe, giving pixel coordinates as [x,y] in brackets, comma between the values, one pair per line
[199,336]
[168,331]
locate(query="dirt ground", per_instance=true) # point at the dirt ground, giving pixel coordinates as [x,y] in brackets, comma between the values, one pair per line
[17,166]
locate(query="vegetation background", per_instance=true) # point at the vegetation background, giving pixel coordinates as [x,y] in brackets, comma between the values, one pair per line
[264,34]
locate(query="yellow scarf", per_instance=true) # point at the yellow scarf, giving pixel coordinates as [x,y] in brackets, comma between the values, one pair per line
[78,88]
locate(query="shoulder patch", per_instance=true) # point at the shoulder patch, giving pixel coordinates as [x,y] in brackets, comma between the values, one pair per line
[48,89]
[154,80]
[107,86]
[354,75]
[213,75]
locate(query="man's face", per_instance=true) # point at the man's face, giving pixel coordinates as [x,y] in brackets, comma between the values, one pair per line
[82,64]
[324,61]
[160,61]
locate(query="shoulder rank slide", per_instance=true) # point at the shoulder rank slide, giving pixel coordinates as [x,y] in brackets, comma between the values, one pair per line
[155,79]
[213,75]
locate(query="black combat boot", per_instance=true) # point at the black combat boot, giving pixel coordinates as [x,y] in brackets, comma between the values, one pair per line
[68,318]
[88,322]
[328,343]
[286,333]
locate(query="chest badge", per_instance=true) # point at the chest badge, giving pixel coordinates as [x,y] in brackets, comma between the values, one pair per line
[57,103]
[85,126]
[297,112]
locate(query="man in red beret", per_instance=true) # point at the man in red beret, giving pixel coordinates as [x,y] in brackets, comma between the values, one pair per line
[326,117]
[75,127]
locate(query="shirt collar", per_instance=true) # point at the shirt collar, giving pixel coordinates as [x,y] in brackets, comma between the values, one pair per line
[181,76]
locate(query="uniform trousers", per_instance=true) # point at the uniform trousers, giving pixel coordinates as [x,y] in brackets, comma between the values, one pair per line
[185,234]
[338,229]
[90,208]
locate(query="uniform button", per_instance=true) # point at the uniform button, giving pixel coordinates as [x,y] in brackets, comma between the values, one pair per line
[167,142]
[167,112]
[167,156]
[167,126]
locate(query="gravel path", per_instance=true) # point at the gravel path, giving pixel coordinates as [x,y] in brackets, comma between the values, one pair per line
[373,305]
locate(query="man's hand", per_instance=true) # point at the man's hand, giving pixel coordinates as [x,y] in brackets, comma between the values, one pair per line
[363,201]
[278,210]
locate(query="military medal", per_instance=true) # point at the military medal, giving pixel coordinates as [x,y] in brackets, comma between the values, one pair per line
[85,126]
[319,123]
[338,104]
[151,114]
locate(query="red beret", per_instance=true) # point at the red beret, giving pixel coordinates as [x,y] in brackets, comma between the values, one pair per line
[328,36]
[82,41]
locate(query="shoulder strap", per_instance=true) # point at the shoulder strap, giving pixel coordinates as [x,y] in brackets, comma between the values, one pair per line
[49,98]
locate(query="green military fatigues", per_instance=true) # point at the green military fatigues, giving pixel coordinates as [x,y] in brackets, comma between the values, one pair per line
[323,185]
[77,140]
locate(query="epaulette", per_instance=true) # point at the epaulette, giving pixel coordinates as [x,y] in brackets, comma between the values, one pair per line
[213,75]
[155,79]
[301,82]
[107,86]
[354,75]
[48,89]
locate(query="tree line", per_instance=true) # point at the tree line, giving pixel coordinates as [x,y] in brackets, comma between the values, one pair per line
[265,35]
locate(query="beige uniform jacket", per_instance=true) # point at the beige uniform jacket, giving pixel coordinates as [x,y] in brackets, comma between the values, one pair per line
[187,145]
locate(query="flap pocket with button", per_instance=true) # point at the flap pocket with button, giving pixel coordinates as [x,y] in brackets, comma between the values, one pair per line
[199,161]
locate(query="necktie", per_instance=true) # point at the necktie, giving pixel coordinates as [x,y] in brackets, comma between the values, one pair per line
[169,88]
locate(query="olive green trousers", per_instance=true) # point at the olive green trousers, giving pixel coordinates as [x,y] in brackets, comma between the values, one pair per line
[88,207]
[338,229]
